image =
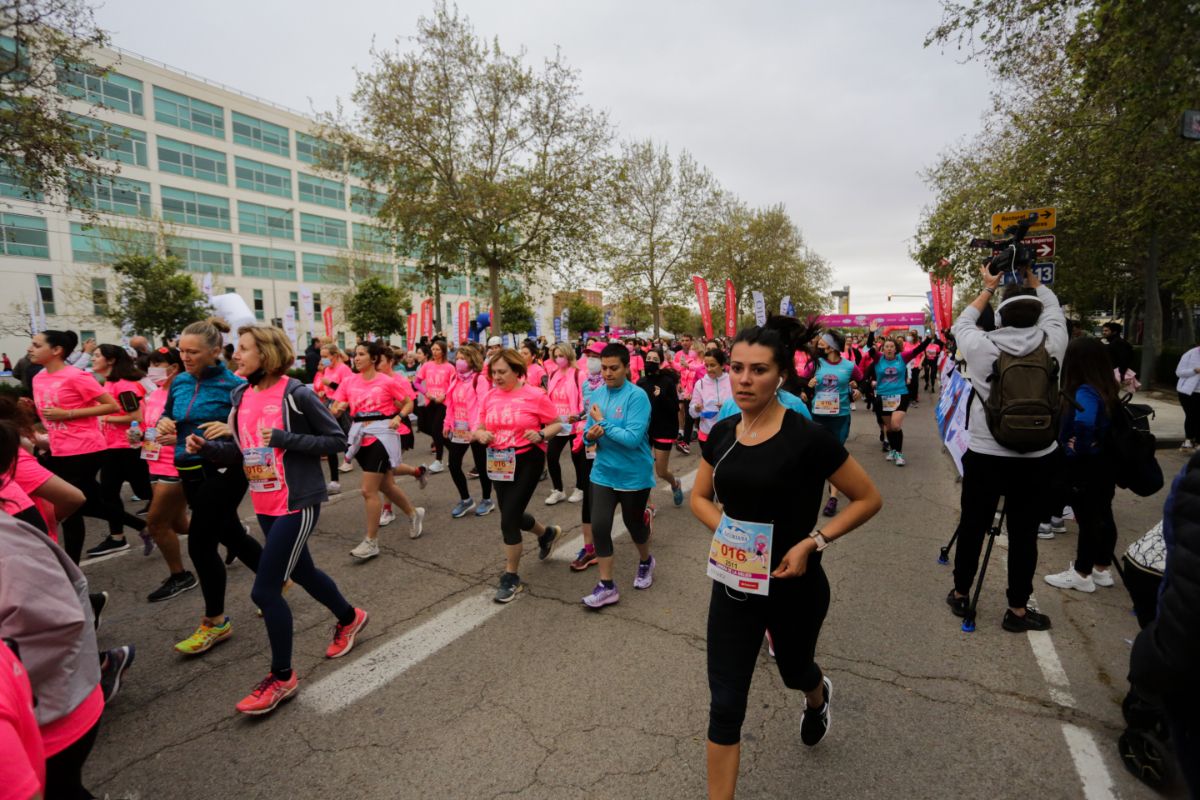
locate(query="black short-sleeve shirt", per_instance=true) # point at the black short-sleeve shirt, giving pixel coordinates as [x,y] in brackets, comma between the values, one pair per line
[780,481]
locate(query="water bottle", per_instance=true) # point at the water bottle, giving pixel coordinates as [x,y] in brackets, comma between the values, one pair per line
[151,433]
[133,426]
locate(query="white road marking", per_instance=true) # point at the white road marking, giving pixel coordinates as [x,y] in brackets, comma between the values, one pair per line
[566,551]
[1052,668]
[391,659]
[1097,783]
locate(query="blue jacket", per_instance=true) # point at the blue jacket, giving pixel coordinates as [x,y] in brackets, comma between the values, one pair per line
[623,459]
[786,399]
[1081,432]
[193,402]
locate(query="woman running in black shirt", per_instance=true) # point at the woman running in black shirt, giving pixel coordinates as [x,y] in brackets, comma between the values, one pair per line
[767,467]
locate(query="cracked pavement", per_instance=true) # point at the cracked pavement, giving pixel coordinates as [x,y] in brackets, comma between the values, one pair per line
[549,700]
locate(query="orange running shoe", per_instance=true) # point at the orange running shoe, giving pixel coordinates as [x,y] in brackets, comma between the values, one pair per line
[269,693]
[343,635]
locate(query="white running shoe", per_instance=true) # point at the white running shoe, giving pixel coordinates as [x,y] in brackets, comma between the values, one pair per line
[1044,531]
[1070,579]
[387,517]
[1102,577]
[1187,445]
[555,498]
[1058,525]
[899,459]
[367,549]
[345,466]
[334,487]
[435,466]
[576,496]
[891,455]
[417,524]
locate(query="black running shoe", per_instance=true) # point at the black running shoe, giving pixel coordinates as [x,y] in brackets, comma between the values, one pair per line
[112,669]
[109,547]
[172,586]
[547,541]
[886,447]
[1032,621]
[958,605]
[815,722]
[99,602]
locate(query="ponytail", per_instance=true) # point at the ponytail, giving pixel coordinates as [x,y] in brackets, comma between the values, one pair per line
[211,330]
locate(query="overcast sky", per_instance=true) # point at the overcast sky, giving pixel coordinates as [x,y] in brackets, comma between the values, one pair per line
[829,108]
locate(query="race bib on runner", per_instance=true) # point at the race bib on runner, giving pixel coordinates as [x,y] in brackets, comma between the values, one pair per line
[151,451]
[502,464]
[461,433]
[740,555]
[589,451]
[827,402]
[259,466]
[890,403]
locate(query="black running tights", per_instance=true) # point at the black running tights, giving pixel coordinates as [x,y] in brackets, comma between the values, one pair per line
[513,496]
[554,452]
[479,453]
[121,465]
[604,507]
[80,471]
[64,769]
[214,501]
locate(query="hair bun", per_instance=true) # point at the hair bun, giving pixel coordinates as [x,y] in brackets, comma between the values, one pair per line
[219,324]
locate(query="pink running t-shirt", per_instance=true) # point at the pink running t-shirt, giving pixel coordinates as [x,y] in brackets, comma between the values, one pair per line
[382,394]
[264,465]
[152,410]
[114,432]
[410,394]
[509,414]
[68,388]
[333,374]
[23,768]
[437,379]
[534,375]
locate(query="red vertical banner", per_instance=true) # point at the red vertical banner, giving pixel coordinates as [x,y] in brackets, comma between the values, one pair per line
[464,323]
[327,316]
[427,318]
[705,311]
[412,331]
[943,302]
[730,309]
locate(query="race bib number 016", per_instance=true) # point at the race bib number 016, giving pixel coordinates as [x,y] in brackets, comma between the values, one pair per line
[259,465]
[740,555]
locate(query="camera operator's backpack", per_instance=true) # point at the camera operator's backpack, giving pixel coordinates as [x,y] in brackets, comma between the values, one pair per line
[1131,445]
[1022,409]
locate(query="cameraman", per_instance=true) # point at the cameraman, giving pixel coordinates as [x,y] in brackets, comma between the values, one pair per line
[1029,315]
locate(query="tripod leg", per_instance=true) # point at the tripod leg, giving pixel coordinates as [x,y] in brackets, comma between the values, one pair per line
[968,624]
[944,555]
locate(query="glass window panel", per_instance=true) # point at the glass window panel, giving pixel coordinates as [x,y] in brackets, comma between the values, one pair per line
[265,220]
[322,269]
[192,161]
[260,262]
[321,191]
[366,201]
[310,149]
[260,134]
[22,235]
[172,108]
[109,89]
[194,208]
[259,177]
[114,142]
[322,230]
[200,255]
[46,293]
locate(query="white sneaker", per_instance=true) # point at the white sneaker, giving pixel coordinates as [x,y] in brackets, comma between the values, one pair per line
[1070,579]
[1057,525]
[1102,577]
[1187,445]
[891,455]
[367,549]
[576,496]
[387,517]
[334,487]
[1044,531]
[435,466]
[417,524]
[899,459]
[555,498]
[345,466]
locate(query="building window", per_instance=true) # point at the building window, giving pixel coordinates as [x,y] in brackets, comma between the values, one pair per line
[115,195]
[265,221]
[21,235]
[172,108]
[294,302]
[200,255]
[109,89]
[316,304]
[259,262]
[259,177]
[14,59]
[85,335]
[192,161]
[341,339]
[259,310]
[46,293]
[99,296]
[312,150]
[260,134]
[322,230]
[112,141]
[371,238]
[321,191]
[11,187]
[194,208]
[322,269]
[366,201]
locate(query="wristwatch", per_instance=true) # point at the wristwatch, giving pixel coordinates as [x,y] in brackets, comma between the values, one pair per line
[542,435]
[820,539]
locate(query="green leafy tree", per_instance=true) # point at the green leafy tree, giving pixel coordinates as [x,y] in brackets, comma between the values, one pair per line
[153,295]
[41,43]
[374,307]
[680,320]
[515,311]
[583,316]
[637,313]
[474,147]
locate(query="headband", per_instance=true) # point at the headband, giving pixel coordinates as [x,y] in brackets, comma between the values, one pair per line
[828,339]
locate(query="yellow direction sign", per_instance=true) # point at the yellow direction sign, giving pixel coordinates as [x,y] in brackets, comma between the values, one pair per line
[1045,220]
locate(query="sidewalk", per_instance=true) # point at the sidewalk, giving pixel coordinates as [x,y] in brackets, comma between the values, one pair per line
[1167,424]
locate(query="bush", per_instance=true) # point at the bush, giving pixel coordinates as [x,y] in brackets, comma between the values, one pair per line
[10,389]
[299,374]
[1164,366]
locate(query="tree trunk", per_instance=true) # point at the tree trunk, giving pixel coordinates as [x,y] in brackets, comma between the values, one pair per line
[494,293]
[1152,336]
[437,303]
[1189,325]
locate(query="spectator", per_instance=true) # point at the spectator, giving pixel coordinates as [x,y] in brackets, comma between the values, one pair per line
[312,360]
[6,362]
[1120,351]
[1188,387]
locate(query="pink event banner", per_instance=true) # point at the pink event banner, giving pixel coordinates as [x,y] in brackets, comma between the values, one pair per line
[864,320]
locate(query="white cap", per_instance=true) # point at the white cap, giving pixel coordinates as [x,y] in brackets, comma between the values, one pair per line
[495,341]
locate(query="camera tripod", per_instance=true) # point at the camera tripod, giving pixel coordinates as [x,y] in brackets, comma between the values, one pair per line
[968,623]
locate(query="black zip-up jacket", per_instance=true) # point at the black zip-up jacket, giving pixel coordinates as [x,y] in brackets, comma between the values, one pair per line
[664,408]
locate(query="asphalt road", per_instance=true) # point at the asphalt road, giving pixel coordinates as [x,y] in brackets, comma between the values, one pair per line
[447,695]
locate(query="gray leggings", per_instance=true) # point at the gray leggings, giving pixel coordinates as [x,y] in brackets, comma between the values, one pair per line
[604,507]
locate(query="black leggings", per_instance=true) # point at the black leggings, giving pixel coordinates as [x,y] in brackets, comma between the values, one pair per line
[123,464]
[1092,490]
[793,612]
[335,459]
[583,479]
[514,496]
[213,499]
[458,450]
[436,418]
[604,508]
[64,769]
[1191,415]
[80,471]
[556,445]
[688,422]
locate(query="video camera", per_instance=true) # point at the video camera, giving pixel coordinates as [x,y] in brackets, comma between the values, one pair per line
[1012,255]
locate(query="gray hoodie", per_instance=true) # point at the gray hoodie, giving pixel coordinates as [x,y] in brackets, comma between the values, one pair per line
[980,350]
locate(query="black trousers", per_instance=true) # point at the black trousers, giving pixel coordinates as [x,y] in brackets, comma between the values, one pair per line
[1092,490]
[605,500]
[1142,585]
[986,479]
[123,465]
[435,418]
[554,452]
[513,496]
[64,769]
[688,422]
[583,479]
[793,612]
[213,498]
[479,453]
[1191,415]
[80,471]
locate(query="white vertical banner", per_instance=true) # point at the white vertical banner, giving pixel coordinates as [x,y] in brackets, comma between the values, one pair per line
[783,304]
[760,308]
[289,323]
[453,337]
[37,319]
[207,285]
[306,308]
